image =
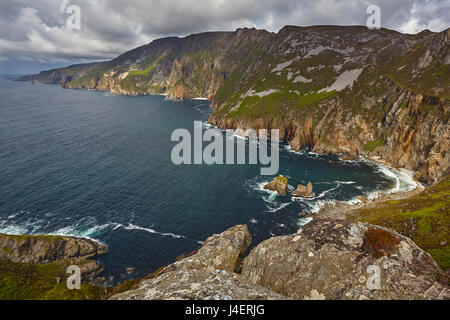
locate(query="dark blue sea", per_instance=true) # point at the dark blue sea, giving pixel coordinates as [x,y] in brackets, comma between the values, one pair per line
[91,164]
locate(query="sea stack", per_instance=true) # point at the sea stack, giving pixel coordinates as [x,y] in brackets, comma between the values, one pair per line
[304,192]
[279,184]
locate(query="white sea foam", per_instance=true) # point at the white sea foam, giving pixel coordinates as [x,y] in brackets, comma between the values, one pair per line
[289,149]
[345,182]
[199,109]
[403,181]
[304,221]
[207,125]
[279,207]
[76,231]
[321,195]
[13,230]
[134,227]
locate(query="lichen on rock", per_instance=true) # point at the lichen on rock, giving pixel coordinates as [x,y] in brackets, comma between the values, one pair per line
[40,249]
[207,274]
[330,258]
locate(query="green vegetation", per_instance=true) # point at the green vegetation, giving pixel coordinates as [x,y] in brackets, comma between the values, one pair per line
[38,236]
[314,98]
[278,104]
[424,218]
[20,281]
[372,145]
[281,179]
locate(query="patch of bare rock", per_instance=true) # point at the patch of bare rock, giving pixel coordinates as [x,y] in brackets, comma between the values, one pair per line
[304,191]
[208,274]
[330,259]
[280,185]
[43,249]
[327,259]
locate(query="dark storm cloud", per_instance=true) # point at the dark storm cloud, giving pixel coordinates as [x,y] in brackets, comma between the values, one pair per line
[36,29]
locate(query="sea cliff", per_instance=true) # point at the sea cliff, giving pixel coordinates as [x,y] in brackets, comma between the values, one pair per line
[349,90]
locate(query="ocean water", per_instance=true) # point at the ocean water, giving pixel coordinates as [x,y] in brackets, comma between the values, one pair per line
[91,164]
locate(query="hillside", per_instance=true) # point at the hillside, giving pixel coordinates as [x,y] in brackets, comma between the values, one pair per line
[349,90]
[425,218]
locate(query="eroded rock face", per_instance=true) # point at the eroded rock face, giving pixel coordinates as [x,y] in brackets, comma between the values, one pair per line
[305,192]
[199,285]
[207,274]
[329,259]
[219,252]
[46,249]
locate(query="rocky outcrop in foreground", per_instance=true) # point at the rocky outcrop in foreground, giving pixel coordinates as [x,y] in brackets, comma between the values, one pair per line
[327,259]
[208,274]
[330,259]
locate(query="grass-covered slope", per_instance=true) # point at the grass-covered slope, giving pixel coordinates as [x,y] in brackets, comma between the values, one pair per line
[425,218]
[23,281]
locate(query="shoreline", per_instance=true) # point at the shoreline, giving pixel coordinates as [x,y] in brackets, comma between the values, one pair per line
[343,210]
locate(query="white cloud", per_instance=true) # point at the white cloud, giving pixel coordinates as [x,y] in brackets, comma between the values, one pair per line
[36,29]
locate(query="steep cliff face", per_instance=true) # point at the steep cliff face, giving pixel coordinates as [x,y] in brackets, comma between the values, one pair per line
[334,89]
[195,66]
[352,91]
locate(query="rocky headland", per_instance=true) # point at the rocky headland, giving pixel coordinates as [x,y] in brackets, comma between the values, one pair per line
[35,266]
[327,259]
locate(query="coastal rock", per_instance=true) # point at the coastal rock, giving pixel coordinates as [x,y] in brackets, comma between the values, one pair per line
[219,252]
[198,285]
[305,192]
[43,249]
[207,274]
[363,199]
[335,259]
[279,184]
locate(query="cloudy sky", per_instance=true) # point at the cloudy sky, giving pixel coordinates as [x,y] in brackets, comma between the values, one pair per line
[34,34]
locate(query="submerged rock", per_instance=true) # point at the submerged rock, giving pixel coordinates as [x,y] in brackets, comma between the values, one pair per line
[279,184]
[335,259]
[304,192]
